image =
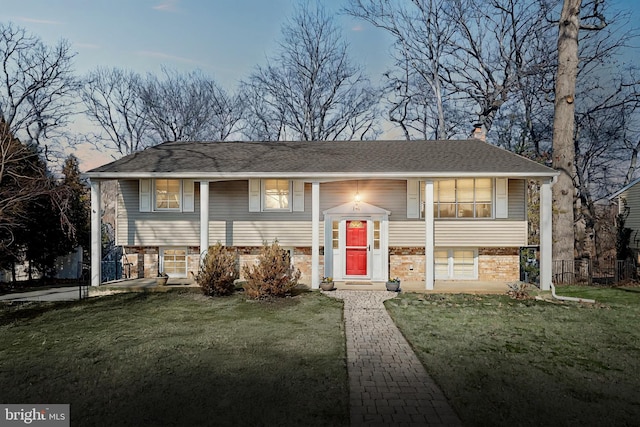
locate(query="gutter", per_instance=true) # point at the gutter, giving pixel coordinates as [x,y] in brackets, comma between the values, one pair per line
[574,299]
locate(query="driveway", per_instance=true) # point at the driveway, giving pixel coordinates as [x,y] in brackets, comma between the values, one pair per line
[69,293]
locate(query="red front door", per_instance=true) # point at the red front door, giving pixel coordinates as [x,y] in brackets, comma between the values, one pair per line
[356,248]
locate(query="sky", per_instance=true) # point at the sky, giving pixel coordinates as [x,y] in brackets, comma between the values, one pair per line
[225,39]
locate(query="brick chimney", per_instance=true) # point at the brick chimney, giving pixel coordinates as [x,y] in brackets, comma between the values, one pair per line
[479,132]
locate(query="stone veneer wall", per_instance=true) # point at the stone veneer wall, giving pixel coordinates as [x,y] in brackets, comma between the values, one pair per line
[499,264]
[144,260]
[408,264]
[301,260]
[494,264]
[193,261]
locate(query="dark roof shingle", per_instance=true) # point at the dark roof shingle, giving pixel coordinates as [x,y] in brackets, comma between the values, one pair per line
[316,158]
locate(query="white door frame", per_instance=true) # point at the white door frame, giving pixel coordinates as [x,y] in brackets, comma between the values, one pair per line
[377,259]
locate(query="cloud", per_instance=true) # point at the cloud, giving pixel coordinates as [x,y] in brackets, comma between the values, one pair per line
[161,55]
[167,6]
[38,21]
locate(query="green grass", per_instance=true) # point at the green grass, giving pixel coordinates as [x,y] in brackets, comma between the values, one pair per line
[629,295]
[179,359]
[505,363]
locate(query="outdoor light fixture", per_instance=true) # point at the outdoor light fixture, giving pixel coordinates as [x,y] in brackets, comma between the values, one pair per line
[357,199]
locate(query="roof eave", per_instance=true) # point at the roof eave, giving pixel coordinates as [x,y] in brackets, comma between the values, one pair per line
[623,189]
[317,175]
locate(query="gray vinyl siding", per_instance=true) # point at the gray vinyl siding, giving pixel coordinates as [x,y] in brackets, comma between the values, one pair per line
[229,200]
[229,207]
[135,228]
[459,233]
[232,224]
[632,197]
[255,233]
[230,221]
[386,194]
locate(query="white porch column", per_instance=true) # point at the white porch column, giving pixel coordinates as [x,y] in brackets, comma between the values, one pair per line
[546,235]
[96,234]
[204,218]
[315,235]
[429,238]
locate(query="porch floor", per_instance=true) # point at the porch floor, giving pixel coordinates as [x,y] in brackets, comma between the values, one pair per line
[440,286]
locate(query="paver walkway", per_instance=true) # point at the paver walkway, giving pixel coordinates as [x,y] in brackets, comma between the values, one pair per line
[388,384]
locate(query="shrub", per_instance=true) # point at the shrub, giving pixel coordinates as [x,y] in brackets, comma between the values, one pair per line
[218,271]
[518,290]
[272,276]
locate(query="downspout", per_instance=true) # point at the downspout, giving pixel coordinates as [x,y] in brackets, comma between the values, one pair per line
[574,299]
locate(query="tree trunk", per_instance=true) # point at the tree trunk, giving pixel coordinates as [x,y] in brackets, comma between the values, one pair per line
[563,131]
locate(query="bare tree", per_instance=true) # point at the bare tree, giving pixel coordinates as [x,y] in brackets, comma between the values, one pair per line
[310,90]
[564,152]
[226,113]
[37,86]
[189,107]
[469,55]
[113,102]
[495,47]
[263,120]
[23,179]
[631,142]
[422,32]
[604,155]
[134,112]
[37,97]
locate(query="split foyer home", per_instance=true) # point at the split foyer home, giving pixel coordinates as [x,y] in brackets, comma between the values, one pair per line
[358,211]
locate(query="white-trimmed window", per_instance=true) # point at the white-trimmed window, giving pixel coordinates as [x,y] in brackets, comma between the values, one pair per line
[174,262]
[167,194]
[461,198]
[458,263]
[162,195]
[276,194]
[279,195]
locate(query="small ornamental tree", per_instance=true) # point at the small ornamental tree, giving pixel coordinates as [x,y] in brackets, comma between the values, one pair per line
[272,276]
[218,271]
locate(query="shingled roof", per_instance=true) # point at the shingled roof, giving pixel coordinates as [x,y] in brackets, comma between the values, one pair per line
[322,159]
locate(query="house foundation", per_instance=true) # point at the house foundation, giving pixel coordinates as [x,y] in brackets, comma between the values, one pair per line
[406,263]
[144,260]
[499,264]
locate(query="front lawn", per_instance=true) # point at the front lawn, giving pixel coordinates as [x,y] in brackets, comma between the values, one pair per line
[179,359]
[505,363]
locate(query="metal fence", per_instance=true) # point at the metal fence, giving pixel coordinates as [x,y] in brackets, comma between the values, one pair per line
[115,265]
[594,272]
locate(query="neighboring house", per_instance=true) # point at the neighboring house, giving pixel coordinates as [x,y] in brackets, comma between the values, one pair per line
[628,199]
[359,211]
[66,267]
